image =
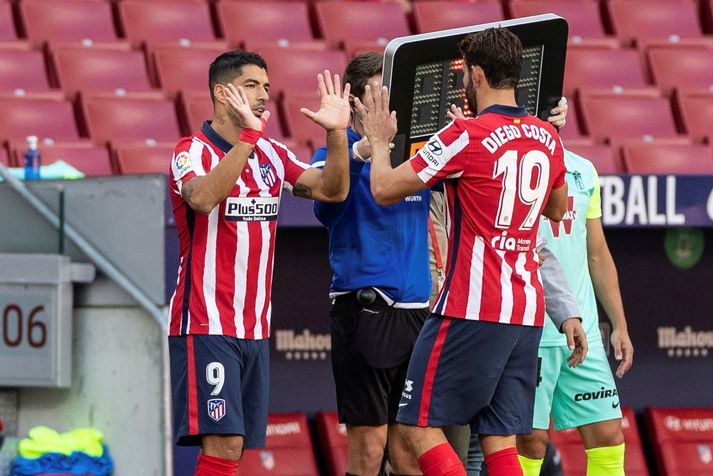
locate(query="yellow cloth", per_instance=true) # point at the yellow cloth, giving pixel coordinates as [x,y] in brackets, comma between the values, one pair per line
[605,461]
[42,440]
[530,467]
[595,201]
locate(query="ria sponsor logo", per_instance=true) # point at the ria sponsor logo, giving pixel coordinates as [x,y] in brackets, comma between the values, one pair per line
[504,242]
[302,346]
[684,343]
[601,393]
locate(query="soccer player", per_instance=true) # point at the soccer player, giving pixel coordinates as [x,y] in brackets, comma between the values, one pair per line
[380,288]
[585,397]
[226,181]
[475,358]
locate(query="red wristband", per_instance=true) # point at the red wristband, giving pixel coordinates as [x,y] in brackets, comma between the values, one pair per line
[251,136]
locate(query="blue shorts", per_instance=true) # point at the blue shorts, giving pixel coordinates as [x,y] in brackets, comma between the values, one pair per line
[472,372]
[220,387]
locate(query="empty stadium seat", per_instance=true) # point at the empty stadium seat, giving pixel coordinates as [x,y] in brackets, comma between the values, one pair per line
[300,128]
[46,115]
[571,130]
[294,71]
[97,69]
[67,21]
[696,109]
[663,158]
[681,67]
[157,21]
[198,108]
[583,16]
[90,159]
[134,117]
[333,438]
[184,68]
[432,16]
[602,68]
[574,460]
[633,114]
[144,158]
[7,26]
[606,160]
[4,157]
[355,21]
[682,439]
[654,18]
[288,450]
[279,22]
[22,70]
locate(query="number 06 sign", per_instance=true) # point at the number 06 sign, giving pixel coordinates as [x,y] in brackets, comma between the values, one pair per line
[36,319]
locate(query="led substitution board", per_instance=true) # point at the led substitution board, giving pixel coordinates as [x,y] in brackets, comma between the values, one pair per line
[424,75]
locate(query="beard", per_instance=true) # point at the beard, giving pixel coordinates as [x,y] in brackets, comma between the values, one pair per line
[470,98]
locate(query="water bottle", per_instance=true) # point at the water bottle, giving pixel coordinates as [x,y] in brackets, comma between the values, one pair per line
[32,159]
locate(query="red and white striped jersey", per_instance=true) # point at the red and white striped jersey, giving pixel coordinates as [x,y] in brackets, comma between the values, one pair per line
[226,257]
[502,166]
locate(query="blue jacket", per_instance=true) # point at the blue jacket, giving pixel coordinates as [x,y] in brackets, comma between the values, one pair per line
[374,246]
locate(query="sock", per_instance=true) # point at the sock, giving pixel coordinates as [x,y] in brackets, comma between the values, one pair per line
[503,463]
[441,460]
[530,467]
[212,466]
[605,461]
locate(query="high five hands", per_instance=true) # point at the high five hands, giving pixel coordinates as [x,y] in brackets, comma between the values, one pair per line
[333,113]
[379,123]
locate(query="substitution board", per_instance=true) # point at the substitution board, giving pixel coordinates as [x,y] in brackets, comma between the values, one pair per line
[424,75]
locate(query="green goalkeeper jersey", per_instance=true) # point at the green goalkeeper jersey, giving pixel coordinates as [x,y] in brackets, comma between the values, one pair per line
[568,242]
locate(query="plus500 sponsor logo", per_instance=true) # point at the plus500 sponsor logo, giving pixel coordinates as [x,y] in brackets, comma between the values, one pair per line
[251,208]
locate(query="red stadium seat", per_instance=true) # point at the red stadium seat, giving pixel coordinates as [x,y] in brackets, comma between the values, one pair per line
[279,22]
[294,71]
[333,438]
[682,439]
[302,129]
[5,157]
[574,460]
[433,16]
[602,68]
[198,108]
[90,159]
[46,115]
[22,69]
[144,158]
[696,109]
[98,69]
[613,116]
[184,68]
[571,130]
[663,158]
[681,67]
[604,158]
[355,21]
[655,18]
[583,16]
[7,25]
[288,450]
[134,117]
[157,21]
[67,21]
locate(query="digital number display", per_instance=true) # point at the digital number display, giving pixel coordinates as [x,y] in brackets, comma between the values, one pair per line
[439,84]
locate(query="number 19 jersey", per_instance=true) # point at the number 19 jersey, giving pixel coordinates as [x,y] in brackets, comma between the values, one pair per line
[499,169]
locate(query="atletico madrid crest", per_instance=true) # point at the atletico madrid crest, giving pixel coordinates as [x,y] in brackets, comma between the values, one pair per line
[267,172]
[216,408]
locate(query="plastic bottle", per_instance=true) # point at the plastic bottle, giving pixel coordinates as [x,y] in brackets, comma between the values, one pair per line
[32,159]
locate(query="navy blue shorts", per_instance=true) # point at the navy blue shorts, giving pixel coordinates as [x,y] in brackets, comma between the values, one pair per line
[472,372]
[220,387]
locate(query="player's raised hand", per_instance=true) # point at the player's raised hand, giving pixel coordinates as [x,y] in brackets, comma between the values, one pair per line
[623,350]
[558,114]
[379,123]
[238,101]
[334,108]
[576,341]
[454,112]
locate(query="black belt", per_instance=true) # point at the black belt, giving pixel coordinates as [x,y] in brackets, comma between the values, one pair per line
[364,297]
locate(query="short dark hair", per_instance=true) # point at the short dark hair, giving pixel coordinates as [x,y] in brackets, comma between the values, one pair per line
[498,51]
[360,69]
[226,67]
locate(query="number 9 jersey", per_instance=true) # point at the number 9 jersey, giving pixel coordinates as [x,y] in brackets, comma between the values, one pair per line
[499,169]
